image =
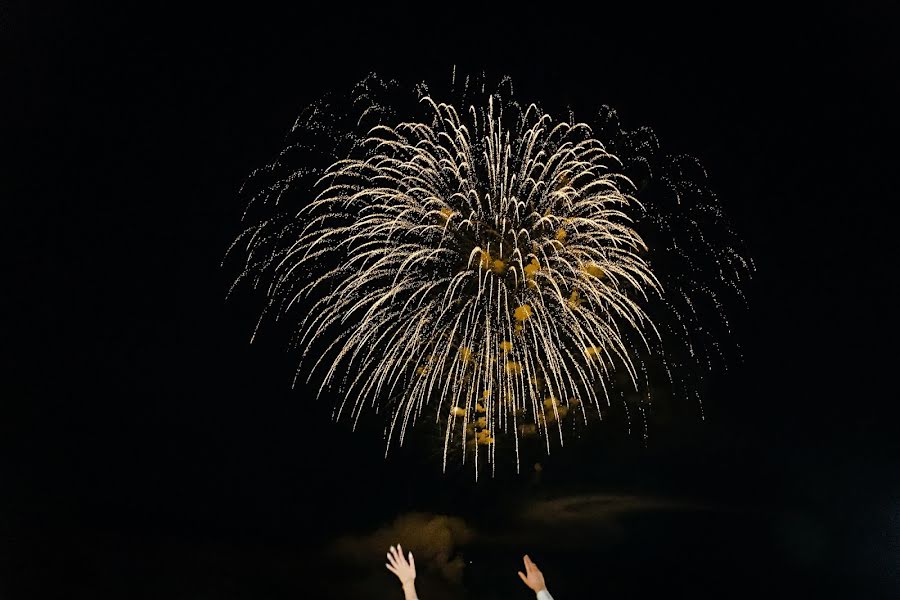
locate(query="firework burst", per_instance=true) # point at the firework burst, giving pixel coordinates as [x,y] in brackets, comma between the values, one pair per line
[481,265]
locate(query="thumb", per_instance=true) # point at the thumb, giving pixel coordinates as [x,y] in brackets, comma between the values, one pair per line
[523,578]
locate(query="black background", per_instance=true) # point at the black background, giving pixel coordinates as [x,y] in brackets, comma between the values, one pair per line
[148,450]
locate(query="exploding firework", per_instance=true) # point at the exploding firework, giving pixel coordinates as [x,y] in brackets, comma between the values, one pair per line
[483,263]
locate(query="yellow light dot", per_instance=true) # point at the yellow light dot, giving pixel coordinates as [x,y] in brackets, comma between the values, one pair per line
[522,312]
[506,346]
[594,270]
[513,368]
[465,354]
[498,266]
[531,268]
[560,234]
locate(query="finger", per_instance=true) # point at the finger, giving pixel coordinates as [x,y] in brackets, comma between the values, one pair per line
[392,570]
[528,564]
[523,578]
[412,561]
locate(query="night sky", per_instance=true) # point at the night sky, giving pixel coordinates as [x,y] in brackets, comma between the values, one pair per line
[148,450]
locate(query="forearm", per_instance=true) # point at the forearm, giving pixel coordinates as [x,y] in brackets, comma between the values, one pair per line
[409,591]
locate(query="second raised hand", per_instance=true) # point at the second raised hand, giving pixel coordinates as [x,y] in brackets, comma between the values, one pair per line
[532,577]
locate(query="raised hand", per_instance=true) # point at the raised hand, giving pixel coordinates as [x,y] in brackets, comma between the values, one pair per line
[532,577]
[399,565]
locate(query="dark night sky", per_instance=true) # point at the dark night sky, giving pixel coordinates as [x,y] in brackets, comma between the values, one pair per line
[147,450]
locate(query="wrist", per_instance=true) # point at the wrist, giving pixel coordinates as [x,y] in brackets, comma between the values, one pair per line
[409,590]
